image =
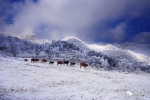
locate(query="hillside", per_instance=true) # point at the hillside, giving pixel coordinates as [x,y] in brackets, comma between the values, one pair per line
[122,57]
[27,81]
[127,54]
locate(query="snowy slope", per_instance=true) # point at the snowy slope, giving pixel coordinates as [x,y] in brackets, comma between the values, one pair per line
[137,52]
[102,47]
[140,56]
[77,42]
[137,48]
[21,80]
[96,47]
[74,40]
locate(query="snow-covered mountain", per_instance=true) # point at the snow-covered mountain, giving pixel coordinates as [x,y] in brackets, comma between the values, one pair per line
[81,44]
[119,57]
[137,52]
[77,42]
[95,47]
[140,48]
[105,47]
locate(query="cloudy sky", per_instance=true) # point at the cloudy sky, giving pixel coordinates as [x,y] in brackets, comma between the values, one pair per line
[111,21]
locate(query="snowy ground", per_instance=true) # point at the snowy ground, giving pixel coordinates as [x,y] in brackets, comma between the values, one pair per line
[21,80]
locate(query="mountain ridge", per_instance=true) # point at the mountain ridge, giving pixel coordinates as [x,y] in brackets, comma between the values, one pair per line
[29,38]
[108,55]
[140,52]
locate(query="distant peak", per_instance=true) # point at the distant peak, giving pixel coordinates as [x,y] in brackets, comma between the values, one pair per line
[74,40]
[70,38]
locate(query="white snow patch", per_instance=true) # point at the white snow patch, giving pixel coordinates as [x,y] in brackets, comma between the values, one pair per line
[103,47]
[140,57]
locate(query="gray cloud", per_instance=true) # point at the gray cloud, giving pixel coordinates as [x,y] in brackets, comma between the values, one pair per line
[3,14]
[8,12]
[118,33]
[143,37]
[115,34]
[55,19]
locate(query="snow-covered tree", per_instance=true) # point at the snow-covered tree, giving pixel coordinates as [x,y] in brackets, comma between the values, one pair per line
[49,51]
[37,50]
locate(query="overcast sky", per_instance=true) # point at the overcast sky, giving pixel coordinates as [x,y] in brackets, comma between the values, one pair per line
[111,21]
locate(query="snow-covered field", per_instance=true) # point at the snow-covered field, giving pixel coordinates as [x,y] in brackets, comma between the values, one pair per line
[21,80]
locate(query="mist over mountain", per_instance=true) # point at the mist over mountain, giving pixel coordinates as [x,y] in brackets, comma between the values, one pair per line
[33,39]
